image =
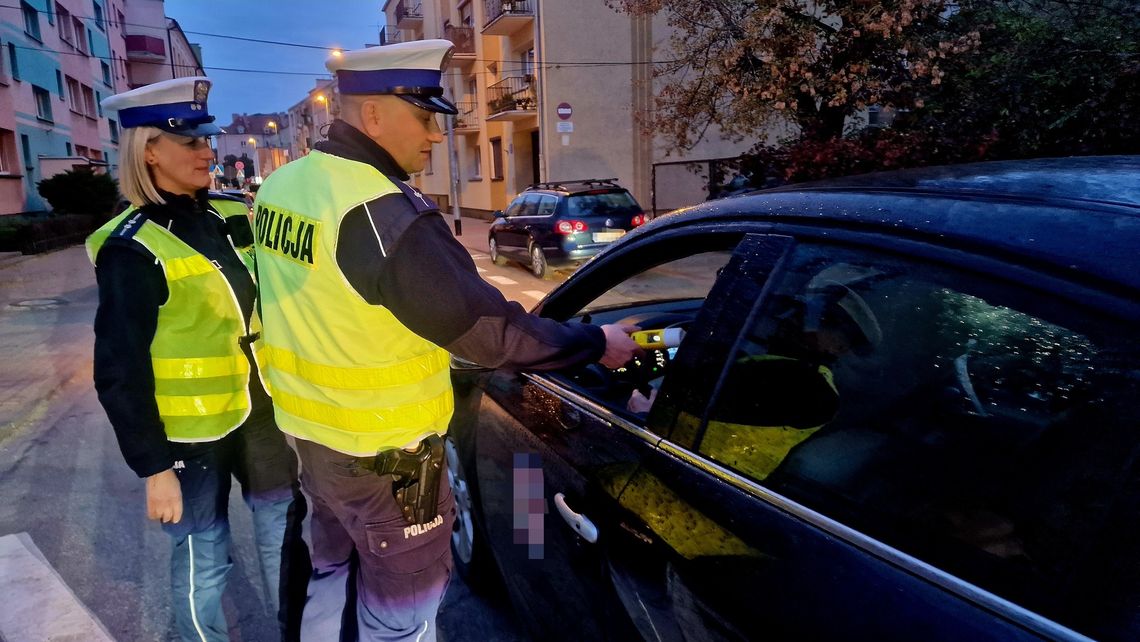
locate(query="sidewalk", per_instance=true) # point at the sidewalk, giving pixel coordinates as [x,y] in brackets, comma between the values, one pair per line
[474,236]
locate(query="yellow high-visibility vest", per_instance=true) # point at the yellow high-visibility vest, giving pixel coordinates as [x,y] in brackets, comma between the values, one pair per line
[342,372]
[201,374]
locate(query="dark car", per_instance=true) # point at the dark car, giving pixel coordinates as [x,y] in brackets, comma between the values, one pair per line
[552,225]
[905,407]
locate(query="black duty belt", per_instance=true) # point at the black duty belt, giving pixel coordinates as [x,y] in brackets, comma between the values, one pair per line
[416,483]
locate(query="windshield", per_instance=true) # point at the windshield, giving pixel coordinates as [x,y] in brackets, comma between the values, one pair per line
[605,204]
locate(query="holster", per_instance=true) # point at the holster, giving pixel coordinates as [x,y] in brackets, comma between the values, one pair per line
[416,483]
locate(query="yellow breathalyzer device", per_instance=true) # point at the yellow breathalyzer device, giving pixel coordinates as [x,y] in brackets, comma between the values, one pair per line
[658,339]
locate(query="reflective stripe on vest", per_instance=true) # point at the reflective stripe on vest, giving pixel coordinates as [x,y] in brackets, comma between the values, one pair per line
[201,375]
[753,450]
[343,373]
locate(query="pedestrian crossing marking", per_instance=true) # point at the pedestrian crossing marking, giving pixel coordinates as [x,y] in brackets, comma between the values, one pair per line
[502,280]
[537,295]
[39,604]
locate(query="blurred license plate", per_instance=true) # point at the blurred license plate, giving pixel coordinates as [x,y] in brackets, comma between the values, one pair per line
[604,237]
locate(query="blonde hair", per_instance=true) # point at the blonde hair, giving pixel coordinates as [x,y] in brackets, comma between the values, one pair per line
[135,180]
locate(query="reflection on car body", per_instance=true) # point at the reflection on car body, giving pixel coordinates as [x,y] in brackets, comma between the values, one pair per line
[905,407]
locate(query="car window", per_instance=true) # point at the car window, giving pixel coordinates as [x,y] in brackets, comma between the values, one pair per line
[604,204]
[667,294]
[546,205]
[983,428]
[515,207]
[690,277]
[529,205]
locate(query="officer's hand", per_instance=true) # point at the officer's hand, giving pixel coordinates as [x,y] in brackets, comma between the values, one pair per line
[164,497]
[620,348]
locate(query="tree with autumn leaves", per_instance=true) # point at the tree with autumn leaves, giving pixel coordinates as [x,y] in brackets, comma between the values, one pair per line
[969,80]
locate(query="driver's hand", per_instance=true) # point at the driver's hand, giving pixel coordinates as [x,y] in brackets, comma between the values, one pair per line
[639,403]
[620,348]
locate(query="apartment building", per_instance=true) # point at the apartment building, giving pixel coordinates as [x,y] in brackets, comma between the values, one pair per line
[58,60]
[309,118]
[260,141]
[548,91]
[156,45]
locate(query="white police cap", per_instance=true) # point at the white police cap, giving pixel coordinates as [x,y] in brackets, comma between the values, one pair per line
[410,70]
[177,106]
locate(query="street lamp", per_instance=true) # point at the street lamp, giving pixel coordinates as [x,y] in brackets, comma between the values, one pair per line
[324,101]
[273,124]
[253,142]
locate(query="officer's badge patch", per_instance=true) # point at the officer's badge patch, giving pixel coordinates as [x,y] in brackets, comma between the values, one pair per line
[201,91]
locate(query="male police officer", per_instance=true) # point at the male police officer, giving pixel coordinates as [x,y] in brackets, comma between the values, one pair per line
[364,294]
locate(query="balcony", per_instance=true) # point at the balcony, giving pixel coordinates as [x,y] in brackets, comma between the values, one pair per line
[145,48]
[505,17]
[464,40]
[391,34]
[409,15]
[467,121]
[512,98]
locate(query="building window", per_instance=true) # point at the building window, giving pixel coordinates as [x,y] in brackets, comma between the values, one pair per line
[74,95]
[80,150]
[106,73]
[14,61]
[59,83]
[27,147]
[64,27]
[114,127]
[99,103]
[31,21]
[43,103]
[496,159]
[98,15]
[88,102]
[7,151]
[68,146]
[122,21]
[80,34]
[476,163]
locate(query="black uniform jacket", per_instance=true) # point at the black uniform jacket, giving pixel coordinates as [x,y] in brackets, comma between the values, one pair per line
[131,289]
[401,254]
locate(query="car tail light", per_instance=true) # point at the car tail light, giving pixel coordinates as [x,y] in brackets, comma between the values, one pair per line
[570,227]
[638,219]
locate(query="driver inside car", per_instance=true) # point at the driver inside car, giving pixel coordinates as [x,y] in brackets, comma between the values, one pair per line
[773,401]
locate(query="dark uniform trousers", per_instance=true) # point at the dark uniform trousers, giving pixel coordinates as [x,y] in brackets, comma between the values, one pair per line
[401,570]
[257,455]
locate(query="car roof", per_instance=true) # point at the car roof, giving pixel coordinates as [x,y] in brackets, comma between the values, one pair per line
[225,196]
[1075,216]
[575,186]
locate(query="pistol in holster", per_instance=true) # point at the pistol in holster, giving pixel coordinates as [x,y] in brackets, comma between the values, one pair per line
[416,483]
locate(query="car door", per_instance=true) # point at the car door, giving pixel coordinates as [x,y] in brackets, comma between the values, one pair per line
[508,230]
[516,235]
[555,451]
[954,491]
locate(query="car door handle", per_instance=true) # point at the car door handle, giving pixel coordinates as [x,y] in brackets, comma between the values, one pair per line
[580,523]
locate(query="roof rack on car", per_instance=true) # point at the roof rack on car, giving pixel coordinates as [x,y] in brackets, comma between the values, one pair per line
[560,185]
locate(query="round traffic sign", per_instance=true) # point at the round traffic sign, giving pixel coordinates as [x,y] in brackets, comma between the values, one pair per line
[239,165]
[564,111]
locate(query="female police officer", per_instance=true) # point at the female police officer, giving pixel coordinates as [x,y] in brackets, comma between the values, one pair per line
[174,339]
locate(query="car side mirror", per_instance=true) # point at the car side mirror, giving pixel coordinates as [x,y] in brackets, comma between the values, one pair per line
[498,214]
